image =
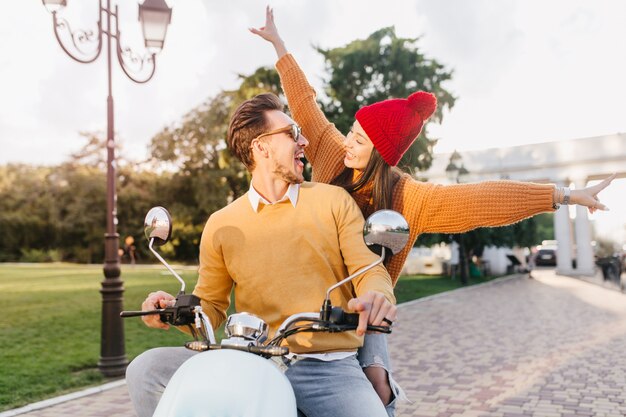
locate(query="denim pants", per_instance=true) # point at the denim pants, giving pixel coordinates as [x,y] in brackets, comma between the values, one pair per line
[374,352]
[336,388]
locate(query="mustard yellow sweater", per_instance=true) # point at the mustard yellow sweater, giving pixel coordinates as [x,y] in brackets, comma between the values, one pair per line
[282,259]
[429,208]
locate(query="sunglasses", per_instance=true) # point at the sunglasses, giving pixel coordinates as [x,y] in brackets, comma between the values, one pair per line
[293,130]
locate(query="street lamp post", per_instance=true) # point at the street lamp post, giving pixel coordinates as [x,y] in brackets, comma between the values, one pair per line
[155,17]
[456,172]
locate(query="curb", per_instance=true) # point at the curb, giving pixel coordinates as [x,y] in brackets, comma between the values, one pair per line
[63,398]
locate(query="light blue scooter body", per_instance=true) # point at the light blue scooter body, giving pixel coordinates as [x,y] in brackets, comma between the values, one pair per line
[227,383]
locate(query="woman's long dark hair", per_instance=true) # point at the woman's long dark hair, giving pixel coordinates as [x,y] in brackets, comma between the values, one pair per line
[378,172]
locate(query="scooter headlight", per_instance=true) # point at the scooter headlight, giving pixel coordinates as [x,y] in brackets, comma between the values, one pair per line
[246,326]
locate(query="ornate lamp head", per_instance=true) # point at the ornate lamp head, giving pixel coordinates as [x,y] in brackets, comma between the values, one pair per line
[154,16]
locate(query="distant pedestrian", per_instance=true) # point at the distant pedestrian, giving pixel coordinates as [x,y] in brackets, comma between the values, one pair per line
[532,256]
[129,249]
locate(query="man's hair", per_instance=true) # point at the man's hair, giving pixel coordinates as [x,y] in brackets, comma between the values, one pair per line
[247,123]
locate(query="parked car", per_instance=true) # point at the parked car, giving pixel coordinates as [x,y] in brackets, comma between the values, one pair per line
[545,257]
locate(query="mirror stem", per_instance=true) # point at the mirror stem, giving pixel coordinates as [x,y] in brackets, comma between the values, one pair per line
[357,273]
[182,283]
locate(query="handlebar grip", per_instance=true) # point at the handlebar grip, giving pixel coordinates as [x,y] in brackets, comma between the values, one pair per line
[341,321]
[350,321]
[139,313]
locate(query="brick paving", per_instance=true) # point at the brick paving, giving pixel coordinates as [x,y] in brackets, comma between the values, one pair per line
[545,347]
[550,346]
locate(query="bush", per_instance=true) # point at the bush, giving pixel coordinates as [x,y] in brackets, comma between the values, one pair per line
[40,255]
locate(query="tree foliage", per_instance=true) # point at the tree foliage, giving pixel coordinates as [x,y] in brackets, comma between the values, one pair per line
[526,233]
[379,67]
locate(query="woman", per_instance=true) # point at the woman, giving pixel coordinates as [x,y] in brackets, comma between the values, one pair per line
[364,163]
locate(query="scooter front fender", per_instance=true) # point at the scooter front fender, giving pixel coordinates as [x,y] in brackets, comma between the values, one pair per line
[227,383]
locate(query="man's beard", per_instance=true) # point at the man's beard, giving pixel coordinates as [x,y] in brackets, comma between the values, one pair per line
[284,173]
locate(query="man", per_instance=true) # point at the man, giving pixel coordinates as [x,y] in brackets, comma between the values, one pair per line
[281,245]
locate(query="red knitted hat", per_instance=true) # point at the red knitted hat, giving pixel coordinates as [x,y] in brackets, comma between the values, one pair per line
[393,125]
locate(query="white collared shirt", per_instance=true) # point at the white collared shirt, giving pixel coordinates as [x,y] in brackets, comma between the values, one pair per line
[255,198]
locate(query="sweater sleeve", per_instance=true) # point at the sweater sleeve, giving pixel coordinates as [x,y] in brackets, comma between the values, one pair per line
[325,151]
[433,208]
[458,208]
[355,253]
[214,283]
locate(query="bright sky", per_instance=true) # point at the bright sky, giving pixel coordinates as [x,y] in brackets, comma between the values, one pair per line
[525,71]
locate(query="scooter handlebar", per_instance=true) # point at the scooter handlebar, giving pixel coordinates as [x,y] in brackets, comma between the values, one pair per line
[267,351]
[180,314]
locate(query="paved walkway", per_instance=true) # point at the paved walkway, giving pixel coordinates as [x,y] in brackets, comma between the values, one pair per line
[550,347]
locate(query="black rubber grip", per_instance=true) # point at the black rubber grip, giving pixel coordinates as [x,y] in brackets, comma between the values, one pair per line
[139,313]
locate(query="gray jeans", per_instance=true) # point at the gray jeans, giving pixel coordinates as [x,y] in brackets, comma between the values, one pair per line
[148,374]
[337,388]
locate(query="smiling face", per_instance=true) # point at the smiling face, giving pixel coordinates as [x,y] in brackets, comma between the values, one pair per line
[284,152]
[358,148]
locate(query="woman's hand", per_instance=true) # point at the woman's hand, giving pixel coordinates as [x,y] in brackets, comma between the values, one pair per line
[269,32]
[588,197]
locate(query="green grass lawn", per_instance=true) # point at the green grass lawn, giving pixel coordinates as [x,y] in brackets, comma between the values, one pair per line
[50,330]
[413,287]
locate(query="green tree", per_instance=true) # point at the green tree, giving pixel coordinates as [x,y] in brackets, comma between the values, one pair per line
[139,189]
[526,233]
[57,208]
[545,227]
[379,67]
[80,211]
[26,206]
[58,212]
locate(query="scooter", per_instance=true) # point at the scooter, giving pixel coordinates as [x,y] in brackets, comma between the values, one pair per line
[235,377]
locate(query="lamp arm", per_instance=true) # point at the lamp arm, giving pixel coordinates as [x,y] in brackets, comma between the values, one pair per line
[135,58]
[78,37]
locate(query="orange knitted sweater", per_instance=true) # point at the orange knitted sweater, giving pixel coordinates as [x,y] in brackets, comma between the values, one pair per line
[428,208]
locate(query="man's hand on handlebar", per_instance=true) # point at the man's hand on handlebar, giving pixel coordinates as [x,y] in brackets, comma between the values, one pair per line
[373,308]
[157,300]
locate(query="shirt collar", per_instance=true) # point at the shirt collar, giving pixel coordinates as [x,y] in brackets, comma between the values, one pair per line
[255,198]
